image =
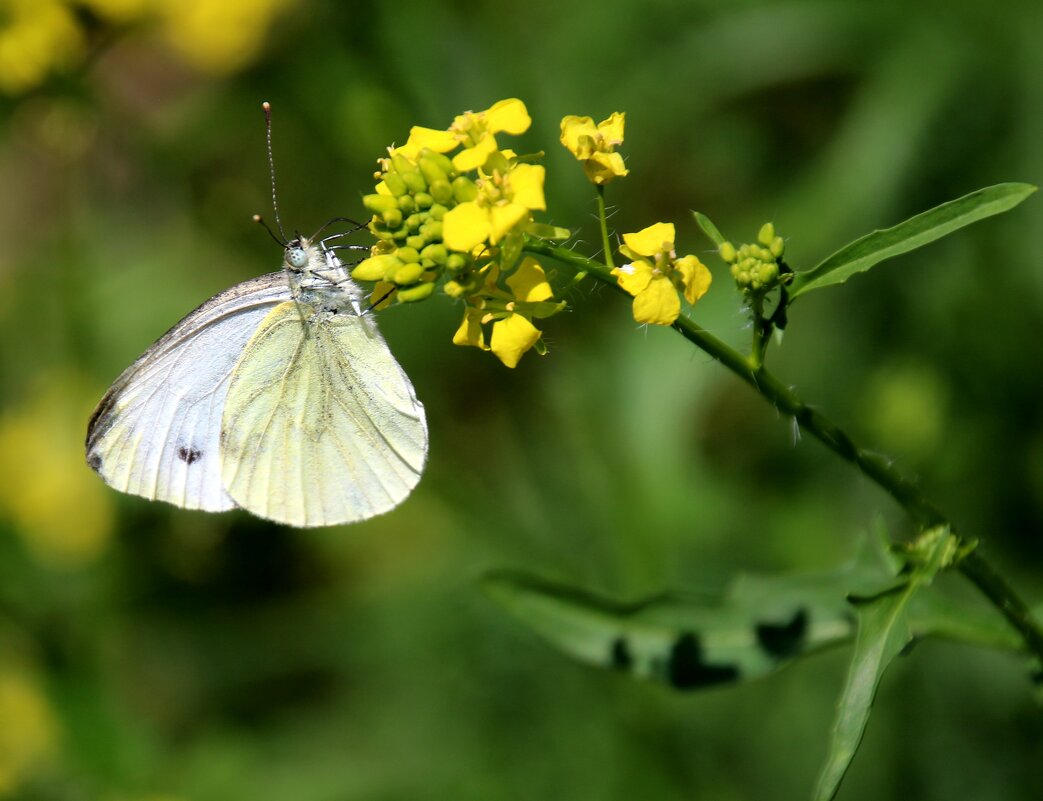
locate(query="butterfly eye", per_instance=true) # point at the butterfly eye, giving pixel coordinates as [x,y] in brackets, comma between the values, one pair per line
[296,258]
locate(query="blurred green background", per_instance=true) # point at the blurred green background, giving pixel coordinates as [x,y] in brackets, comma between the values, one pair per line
[149,653]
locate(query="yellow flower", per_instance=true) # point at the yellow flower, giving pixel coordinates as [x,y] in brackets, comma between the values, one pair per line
[36,38]
[513,332]
[595,145]
[504,200]
[477,131]
[218,37]
[61,510]
[655,275]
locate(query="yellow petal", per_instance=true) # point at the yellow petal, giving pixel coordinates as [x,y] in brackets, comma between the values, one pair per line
[696,277]
[474,157]
[527,185]
[612,129]
[383,295]
[465,226]
[603,167]
[470,330]
[438,141]
[572,129]
[658,304]
[513,336]
[529,282]
[651,240]
[634,277]
[509,116]
[502,219]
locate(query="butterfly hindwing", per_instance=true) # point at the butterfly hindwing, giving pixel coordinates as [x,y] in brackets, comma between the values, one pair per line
[321,425]
[156,433]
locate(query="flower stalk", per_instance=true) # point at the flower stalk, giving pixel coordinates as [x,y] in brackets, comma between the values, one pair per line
[877,468]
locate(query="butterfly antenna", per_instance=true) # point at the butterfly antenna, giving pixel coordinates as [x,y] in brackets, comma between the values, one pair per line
[271,164]
[257,218]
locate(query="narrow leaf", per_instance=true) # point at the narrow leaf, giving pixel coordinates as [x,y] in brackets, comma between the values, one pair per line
[915,232]
[884,631]
[709,228]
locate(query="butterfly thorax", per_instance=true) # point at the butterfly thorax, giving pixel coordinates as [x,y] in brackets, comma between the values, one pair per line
[320,280]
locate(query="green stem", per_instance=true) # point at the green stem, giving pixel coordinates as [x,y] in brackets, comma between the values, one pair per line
[875,466]
[606,245]
[761,332]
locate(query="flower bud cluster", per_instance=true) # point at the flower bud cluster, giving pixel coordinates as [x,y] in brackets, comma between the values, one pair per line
[755,267]
[413,197]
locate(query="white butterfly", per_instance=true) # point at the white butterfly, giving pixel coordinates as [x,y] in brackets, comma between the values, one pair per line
[278,396]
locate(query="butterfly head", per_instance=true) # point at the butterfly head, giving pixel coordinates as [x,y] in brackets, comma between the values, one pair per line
[296,255]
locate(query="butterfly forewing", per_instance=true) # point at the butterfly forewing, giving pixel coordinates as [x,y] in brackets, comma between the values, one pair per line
[156,433]
[321,426]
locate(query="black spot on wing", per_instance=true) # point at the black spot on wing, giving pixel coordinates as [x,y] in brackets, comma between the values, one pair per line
[686,669]
[94,460]
[619,654]
[785,639]
[189,455]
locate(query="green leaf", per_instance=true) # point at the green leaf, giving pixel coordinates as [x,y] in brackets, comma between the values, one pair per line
[915,232]
[884,630]
[709,228]
[758,625]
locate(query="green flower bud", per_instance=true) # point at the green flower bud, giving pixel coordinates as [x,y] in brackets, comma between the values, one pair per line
[415,293]
[437,212]
[375,267]
[393,218]
[413,222]
[442,192]
[454,289]
[415,181]
[395,184]
[767,273]
[379,204]
[407,274]
[456,263]
[432,170]
[778,247]
[406,204]
[766,234]
[399,234]
[735,270]
[436,253]
[407,254]
[424,200]
[416,242]
[464,189]
[727,251]
[432,231]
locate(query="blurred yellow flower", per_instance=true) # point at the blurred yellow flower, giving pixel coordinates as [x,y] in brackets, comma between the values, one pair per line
[655,274]
[505,199]
[217,36]
[595,145]
[58,506]
[29,732]
[37,37]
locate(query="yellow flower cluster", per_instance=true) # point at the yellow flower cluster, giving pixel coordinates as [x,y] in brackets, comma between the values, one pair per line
[40,37]
[755,267]
[595,145]
[462,217]
[655,275]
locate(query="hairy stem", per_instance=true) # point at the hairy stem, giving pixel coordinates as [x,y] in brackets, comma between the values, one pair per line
[876,467]
[606,244]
